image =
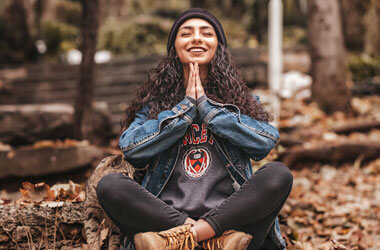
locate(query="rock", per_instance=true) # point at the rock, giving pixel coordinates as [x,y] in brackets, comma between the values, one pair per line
[26,124]
[29,161]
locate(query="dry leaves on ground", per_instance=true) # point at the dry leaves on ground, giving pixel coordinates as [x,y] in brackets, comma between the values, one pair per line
[333,208]
[43,194]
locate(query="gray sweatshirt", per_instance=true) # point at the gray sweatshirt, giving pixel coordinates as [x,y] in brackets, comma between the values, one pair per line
[199,180]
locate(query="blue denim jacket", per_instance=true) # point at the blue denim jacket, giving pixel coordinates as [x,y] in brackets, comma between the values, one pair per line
[238,138]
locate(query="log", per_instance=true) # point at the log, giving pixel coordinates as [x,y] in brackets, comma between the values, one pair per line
[26,124]
[356,127]
[34,226]
[344,152]
[65,225]
[289,141]
[46,160]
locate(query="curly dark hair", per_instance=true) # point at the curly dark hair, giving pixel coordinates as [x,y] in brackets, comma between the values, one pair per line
[164,88]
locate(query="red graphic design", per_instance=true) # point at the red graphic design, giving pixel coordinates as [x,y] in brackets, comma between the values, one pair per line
[197,136]
[196,162]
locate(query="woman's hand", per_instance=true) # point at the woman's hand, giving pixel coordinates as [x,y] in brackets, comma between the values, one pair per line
[194,86]
[190,89]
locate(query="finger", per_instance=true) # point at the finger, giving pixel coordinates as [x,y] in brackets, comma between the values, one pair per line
[200,89]
[197,77]
[195,80]
[190,89]
[191,76]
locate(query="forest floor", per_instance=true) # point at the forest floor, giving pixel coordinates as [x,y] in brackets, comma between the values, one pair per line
[333,204]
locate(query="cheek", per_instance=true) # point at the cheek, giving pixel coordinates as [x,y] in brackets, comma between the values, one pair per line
[213,43]
[179,48]
[213,48]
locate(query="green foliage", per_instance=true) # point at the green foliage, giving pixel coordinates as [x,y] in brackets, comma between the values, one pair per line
[59,36]
[69,12]
[294,37]
[363,66]
[137,37]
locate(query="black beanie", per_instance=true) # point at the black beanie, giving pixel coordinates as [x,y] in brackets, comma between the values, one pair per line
[196,13]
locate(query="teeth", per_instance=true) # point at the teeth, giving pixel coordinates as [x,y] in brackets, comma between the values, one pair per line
[197,50]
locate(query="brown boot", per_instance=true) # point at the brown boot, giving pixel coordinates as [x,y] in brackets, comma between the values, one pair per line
[229,240]
[175,238]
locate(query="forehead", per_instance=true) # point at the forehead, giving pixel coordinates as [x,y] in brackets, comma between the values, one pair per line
[195,22]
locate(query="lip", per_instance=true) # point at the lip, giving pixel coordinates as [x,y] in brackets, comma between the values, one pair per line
[197,50]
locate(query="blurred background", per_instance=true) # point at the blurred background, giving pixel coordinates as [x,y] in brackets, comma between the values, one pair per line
[70,68]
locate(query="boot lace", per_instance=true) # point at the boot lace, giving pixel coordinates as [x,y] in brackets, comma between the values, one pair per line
[213,243]
[181,240]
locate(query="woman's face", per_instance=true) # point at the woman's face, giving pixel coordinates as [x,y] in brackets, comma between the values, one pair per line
[196,41]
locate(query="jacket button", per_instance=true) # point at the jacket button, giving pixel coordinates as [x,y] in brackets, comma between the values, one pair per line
[164,175]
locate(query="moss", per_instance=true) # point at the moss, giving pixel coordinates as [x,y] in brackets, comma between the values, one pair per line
[140,36]
[57,35]
[69,12]
[363,66]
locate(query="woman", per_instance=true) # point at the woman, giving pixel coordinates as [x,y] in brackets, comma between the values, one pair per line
[195,126]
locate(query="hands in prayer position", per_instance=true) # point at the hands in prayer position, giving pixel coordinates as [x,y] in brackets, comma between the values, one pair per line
[194,87]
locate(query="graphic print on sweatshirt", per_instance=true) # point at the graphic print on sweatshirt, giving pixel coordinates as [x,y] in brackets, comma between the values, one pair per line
[197,156]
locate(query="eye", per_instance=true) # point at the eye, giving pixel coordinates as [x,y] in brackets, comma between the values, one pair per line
[208,34]
[185,34]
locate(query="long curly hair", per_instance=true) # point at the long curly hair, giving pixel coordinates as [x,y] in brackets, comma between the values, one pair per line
[164,88]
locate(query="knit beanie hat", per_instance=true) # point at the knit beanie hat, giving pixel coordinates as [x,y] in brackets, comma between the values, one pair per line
[196,13]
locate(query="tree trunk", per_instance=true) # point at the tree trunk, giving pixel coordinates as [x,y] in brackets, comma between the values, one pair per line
[352,12]
[372,23]
[328,67]
[17,33]
[259,23]
[85,91]
[40,7]
[198,4]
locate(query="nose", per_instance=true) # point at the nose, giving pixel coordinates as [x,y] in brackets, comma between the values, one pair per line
[197,37]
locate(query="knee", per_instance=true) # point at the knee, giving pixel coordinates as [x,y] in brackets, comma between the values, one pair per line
[281,179]
[106,186]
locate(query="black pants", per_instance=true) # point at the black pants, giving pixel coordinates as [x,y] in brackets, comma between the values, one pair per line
[251,209]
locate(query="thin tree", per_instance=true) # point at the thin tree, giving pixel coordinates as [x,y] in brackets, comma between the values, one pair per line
[372,24]
[328,66]
[85,90]
[352,12]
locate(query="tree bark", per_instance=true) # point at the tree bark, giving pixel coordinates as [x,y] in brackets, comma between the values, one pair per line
[328,67]
[372,24]
[17,35]
[34,226]
[258,26]
[352,12]
[85,92]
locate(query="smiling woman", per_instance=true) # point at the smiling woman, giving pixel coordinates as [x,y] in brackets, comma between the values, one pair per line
[196,43]
[195,126]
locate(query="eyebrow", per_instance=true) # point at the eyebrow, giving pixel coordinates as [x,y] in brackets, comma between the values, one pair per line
[192,27]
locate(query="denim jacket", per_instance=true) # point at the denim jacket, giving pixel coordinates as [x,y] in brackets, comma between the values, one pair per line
[238,137]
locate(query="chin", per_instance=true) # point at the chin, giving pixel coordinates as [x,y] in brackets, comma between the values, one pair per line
[200,61]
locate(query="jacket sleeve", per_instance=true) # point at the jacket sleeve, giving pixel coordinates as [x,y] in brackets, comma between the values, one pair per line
[145,137]
[255,137]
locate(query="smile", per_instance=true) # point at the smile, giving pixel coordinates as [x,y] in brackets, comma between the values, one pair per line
[197,50]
